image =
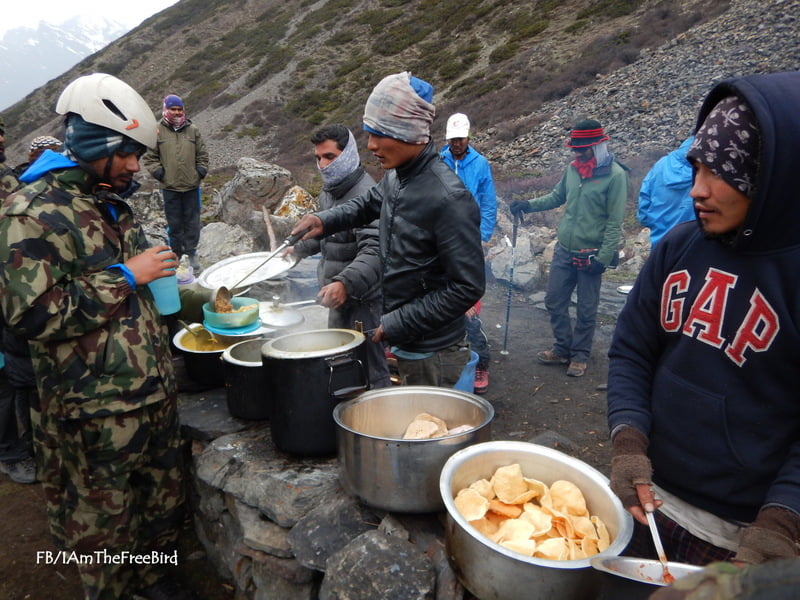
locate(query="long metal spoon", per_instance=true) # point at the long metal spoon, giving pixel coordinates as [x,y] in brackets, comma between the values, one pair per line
[662,556]
[197,332]
[223,294]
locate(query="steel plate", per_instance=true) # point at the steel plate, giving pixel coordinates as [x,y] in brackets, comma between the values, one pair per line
[278,316]
[229,271]
[642,570]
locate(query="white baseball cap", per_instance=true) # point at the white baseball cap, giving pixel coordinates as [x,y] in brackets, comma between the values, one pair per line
[457,126]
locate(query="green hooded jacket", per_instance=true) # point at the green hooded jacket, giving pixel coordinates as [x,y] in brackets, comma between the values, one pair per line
[594,210]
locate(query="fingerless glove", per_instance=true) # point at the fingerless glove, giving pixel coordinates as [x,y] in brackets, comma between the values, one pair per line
[629,464]
[774,534]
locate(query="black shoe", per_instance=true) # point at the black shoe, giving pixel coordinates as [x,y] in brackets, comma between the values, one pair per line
[166,589]
[21,471]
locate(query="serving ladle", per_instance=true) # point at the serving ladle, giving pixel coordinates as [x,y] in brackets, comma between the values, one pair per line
[221,297]
[199,332]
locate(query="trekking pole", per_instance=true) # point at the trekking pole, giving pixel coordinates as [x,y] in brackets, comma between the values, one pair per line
[513,245]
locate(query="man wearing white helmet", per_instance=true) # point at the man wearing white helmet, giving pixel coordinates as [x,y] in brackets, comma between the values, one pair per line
[474,170]
[74,269]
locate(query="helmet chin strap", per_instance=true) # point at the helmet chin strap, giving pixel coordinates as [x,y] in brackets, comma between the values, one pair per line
[98,180]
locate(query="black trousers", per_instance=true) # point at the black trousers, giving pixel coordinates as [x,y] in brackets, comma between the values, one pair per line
[182,210]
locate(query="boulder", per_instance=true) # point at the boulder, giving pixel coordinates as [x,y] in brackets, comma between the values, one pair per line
[258,187]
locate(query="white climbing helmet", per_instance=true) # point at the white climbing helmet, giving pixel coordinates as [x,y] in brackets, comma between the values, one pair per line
[104,100]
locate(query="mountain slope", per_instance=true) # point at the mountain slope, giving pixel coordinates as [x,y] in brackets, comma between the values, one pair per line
[259,75]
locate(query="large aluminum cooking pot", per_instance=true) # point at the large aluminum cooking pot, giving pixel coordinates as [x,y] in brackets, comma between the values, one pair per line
[388,472]
[306,374]
[492,572]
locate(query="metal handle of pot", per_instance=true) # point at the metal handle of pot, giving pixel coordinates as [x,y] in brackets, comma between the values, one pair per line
[342,362]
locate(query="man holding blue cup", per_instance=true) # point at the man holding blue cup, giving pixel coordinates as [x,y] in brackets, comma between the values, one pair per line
[75,275]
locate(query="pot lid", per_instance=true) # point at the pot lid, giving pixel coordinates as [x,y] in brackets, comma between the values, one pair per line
[274,314]
[317,343]
[229,271]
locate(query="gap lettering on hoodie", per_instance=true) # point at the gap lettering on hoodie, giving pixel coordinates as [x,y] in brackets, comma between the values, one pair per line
[704,321]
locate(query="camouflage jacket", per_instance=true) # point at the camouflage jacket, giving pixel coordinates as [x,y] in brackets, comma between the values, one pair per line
[8,181]
[98,346]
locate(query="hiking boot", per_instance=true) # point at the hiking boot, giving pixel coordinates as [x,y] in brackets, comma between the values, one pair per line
[548,357]
[576,369]
[481,381]
[166,588]
[195,264]
[21,471]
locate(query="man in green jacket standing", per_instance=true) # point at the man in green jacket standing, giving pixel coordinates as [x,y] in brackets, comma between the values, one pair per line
[179,162]
[594,188]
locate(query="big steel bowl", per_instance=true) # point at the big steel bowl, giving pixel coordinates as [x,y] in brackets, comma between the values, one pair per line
[390,473]
[492,572]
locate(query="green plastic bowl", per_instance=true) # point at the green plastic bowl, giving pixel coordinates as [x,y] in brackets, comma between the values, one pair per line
[232,320]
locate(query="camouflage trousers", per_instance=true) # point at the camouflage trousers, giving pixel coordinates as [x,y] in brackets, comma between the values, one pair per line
[114,492]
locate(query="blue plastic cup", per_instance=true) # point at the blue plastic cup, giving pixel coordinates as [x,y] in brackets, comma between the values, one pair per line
[165,293]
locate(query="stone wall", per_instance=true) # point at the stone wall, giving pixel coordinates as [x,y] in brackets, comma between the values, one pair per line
[278,526]
[282,527]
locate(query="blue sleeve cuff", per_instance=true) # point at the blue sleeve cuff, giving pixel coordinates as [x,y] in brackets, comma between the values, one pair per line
[129,277]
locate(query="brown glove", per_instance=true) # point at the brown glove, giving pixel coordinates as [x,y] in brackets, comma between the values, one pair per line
[774,534]
[718,581]
[772,580]
[629,464]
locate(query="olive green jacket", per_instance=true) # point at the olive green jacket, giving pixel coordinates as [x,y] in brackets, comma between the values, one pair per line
[179,160]
[98,347]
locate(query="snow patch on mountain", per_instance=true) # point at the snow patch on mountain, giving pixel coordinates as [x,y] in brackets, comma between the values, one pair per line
[32,56]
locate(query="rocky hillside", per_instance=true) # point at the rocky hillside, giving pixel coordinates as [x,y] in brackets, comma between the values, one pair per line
[259,75]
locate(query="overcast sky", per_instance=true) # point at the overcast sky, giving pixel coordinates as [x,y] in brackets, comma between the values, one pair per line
[56,12]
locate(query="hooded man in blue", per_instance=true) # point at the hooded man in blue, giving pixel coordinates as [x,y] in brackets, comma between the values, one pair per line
[703,373]
[664,199]
[473,169]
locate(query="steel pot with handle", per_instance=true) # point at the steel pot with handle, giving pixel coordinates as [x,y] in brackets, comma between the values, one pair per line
[306,374]
[402,475]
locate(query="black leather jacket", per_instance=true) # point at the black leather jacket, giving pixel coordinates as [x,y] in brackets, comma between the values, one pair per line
[430,245]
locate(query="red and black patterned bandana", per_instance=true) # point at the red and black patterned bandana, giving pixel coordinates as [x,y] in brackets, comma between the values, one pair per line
[728,143]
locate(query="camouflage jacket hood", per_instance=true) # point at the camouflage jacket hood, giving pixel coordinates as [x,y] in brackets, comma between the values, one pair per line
[98,346]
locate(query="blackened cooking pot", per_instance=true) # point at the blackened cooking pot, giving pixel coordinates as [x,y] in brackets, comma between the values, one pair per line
[306,374]
[244,380]
[201,357]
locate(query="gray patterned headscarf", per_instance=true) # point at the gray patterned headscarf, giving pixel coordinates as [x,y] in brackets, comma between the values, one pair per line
[344,164]
[728,143]
[400,107]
